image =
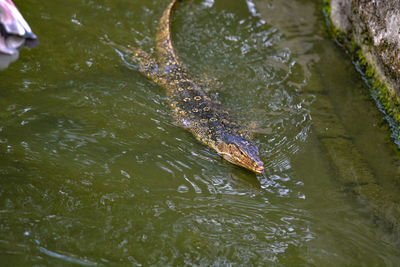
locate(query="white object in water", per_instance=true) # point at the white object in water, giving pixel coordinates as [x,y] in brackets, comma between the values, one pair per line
[14,33]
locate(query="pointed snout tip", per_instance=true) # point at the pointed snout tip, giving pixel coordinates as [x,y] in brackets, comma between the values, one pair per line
[260,169]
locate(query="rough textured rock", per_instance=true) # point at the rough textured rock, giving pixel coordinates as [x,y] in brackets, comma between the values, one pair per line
[375,26]
[341,14]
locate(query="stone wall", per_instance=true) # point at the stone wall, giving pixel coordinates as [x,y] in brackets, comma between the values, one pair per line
[374,27]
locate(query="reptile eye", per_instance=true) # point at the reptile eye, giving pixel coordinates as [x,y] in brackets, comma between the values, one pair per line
[242,153]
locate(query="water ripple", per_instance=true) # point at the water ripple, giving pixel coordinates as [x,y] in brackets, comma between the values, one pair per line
[95,172]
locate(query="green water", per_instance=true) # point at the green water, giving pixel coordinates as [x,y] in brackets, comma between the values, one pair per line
[94,171]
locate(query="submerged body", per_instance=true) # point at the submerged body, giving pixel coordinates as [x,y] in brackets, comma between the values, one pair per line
[193,109]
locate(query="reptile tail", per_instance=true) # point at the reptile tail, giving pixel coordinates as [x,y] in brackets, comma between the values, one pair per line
[165,50]
[146,63]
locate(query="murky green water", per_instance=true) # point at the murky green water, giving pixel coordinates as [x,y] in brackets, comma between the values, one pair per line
[94,171]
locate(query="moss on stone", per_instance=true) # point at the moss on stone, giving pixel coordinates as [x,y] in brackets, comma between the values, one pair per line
[327,7]
[353,171]
[386,100]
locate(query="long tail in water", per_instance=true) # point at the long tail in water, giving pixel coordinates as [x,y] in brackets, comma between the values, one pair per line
[206,119]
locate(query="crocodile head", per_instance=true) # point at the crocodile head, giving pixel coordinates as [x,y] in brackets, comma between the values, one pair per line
[240,151]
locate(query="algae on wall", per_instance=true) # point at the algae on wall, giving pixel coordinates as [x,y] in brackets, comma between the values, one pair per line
[369,29]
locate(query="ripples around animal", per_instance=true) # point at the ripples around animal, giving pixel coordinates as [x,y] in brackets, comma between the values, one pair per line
[206,119]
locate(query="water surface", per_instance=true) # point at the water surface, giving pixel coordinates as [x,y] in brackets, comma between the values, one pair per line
[94,170]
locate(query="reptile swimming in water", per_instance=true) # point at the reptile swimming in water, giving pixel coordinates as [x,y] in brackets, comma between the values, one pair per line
[192,108]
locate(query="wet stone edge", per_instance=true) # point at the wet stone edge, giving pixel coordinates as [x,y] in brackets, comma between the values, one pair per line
[385,97]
